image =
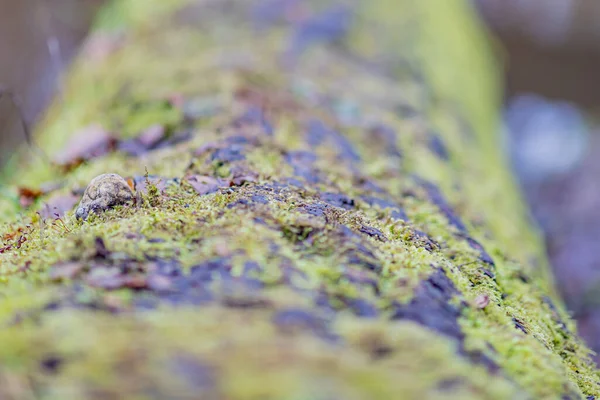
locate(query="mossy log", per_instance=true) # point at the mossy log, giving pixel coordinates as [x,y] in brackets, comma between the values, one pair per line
[325,215]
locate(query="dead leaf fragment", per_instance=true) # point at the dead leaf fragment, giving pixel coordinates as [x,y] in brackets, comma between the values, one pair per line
[101,250]
[140,183]
[206,148]
[481,301]
[105,278]
[137,281]
[241,175]
[206,184]
[92,141]
[145,141]
[57,205]
[27,196]
[159,283]
[65,270]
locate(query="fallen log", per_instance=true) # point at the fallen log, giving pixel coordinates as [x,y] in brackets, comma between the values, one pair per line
[318,210]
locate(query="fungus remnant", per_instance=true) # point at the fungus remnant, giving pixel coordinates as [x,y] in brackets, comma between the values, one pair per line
[104,191]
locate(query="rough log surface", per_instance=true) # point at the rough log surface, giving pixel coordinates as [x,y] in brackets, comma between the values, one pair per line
[326,216]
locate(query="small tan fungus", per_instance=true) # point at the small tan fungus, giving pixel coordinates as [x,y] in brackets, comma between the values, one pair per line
[104,191]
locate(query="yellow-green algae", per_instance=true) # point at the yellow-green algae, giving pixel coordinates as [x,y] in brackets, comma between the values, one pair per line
[228,352]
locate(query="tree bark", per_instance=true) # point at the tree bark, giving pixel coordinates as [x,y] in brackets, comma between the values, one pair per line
[326,214]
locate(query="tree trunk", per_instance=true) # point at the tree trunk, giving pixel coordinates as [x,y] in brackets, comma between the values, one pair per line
[327,215]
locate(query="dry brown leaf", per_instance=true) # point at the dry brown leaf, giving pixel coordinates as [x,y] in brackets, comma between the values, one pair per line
[145,141]
[57,205]
[482,301]
[206,184]
[92,141]
[65,270]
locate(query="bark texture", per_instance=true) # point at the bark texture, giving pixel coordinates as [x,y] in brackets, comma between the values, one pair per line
[326,215]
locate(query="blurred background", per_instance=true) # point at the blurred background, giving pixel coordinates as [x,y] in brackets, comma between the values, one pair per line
[37,39]
[551,127]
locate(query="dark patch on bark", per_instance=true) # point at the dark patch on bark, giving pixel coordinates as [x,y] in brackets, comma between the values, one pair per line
[52,364]
[251,267]
[316,133]
[431,307]
[381,203]
[387,136]
[237,139]
[270,12]
[488,273]
[478,357]
[299,233]
[483,255]
[295,320]
[556,315]
[163,281]
[211,269]
[373,232]
[195,373]
[360,255]
[397,212]
[144,142]
[362,308]
[423,240]
[337,200]
[345,148]
[436,197]
[407,111]
[523,277]
[255,116]
[438,147]
[168,268]
[101,250]
[324,27]
[290,275]
[260,199]
[246,302]
[275,190]
[449,384]
[379,350]
[362,277]
[174,139]
[228,154]
[239,203]
[302,163]
[368,185]
[316,209]
[520,326]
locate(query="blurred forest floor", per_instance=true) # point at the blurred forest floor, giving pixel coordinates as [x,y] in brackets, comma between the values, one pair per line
[550,48]
[30,31]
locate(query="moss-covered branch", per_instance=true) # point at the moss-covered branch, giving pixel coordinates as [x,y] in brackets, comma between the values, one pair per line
[325,214]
